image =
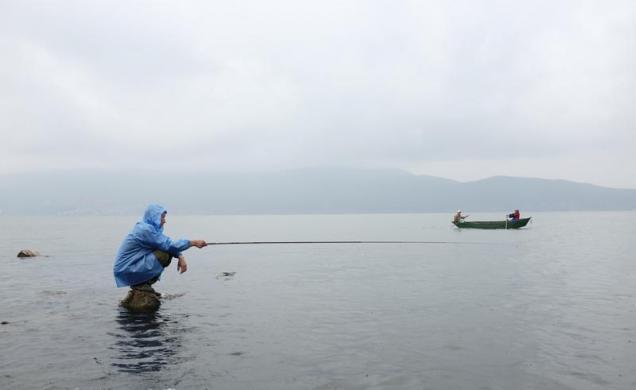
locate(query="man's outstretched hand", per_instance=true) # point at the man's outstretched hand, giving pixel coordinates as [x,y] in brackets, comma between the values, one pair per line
[182,266]
[199,243]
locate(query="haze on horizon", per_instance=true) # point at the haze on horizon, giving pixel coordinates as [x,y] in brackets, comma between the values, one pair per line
[459,89]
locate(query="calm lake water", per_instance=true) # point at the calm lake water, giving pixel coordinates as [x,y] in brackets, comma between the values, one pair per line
[551,306]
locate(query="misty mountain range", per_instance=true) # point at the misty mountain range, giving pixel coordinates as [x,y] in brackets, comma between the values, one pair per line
[304,191]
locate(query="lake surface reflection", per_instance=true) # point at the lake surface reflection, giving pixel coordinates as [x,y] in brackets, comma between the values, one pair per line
[145,342]
[552,306]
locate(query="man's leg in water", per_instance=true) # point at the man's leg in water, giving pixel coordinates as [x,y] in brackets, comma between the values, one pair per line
[164,259]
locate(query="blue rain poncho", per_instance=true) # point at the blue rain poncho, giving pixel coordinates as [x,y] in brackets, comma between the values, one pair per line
[135,262]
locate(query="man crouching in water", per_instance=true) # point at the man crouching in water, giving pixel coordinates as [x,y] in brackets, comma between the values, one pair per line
[146,251]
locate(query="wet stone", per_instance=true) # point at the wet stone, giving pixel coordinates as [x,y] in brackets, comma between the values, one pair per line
[141,301]
[28,253]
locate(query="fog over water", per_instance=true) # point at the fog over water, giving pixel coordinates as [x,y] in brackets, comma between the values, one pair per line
[461,89]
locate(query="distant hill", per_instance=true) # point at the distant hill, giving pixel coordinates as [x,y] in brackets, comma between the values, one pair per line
[297,191]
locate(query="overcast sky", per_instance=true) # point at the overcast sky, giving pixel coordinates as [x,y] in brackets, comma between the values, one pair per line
[458,89]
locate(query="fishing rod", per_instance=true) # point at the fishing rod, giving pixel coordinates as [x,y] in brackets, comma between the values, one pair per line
[329,242]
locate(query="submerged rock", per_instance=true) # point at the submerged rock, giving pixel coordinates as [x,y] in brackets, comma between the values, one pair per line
[53,292]
[169,297]
[28,253]
[141,301]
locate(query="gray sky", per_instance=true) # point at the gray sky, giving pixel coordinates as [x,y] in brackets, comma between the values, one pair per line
[458,89]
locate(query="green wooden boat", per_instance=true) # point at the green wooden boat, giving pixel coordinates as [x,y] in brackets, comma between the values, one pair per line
[508,224]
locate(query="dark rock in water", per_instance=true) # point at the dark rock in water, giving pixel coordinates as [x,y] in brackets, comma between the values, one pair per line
[28,253]
[141,301]
[4,323]
[226,275]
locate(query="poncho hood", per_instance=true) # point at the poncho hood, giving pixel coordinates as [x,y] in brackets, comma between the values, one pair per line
[152,216]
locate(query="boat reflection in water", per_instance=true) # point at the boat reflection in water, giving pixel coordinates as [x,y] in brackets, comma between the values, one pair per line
[146,342]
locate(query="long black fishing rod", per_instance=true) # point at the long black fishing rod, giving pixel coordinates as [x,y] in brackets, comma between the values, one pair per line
[330,242]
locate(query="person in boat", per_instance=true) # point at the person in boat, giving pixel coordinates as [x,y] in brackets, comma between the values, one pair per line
[146,251]
[515,216]
[459,217]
